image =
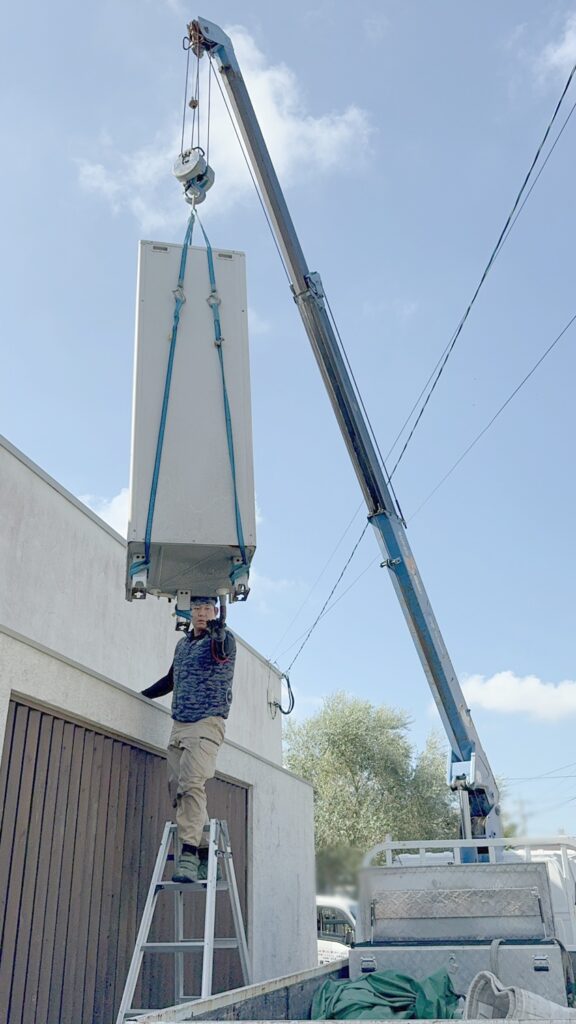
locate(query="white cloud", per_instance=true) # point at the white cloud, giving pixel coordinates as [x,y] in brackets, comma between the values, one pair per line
[560,56]
[302,146]
[508,693]
[113,511]
[257,324]
[258,509]
[375,28]
[265,591]
[401,310]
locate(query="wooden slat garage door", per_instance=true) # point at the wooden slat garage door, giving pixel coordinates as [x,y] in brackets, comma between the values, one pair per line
[82,816]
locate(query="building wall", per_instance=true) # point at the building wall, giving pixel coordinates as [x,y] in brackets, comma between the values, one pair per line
[63,573]
[83,815]
[70,644]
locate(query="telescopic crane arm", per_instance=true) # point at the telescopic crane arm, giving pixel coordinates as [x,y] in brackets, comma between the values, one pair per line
[470,772]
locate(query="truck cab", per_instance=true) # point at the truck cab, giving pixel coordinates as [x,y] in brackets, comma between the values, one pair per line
[336,926]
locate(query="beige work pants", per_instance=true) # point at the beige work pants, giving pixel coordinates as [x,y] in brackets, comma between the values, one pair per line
[192,753]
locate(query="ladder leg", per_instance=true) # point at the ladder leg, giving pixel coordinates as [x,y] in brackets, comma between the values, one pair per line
[179,957]
[235,905]
[143,931]
[210,914]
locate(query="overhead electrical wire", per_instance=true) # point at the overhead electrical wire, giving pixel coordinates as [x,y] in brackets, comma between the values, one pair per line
[510,220]
[495,416]
[314,585]
[321,612]
[329,607]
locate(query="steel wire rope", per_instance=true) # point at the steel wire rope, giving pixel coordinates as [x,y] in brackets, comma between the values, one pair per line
[196,113]
[494,417]
[251,173]
[439,369]
[209,114]
[187,48]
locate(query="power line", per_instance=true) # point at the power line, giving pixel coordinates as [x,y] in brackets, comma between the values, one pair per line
[510,220]
[545,775]
[494,417]
[314,585]
[329,607]
[321,612]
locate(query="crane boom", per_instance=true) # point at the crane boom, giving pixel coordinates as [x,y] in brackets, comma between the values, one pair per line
[470,774]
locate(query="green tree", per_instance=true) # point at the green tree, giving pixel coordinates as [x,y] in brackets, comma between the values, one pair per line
[367,782]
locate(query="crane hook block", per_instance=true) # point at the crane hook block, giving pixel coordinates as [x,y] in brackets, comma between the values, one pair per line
[194,174]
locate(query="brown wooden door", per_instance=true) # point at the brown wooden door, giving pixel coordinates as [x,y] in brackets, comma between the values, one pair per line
[82,815]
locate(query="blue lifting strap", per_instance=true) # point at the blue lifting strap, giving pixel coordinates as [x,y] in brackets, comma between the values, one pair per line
[214,302]
[179,300]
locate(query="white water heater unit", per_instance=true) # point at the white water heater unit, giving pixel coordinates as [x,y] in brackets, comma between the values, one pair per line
[194,541]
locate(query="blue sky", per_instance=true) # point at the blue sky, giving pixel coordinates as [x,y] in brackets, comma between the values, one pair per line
[401,133]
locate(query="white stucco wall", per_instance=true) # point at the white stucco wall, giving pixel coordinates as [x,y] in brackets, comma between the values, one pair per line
[62,585]
[70,641]
[281,921]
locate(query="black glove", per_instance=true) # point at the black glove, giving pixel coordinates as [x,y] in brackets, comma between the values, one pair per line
[217,630]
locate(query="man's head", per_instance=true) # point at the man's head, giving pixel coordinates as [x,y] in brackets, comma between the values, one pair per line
[203,611]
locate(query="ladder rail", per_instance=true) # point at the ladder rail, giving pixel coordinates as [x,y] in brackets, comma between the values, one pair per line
[235,905]
[145,924]
[210,912]
[219,847]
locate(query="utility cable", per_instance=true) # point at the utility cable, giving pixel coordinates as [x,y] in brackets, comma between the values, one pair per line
[321,612]
[314,585]
[439,369]
[545,775]
[334,602]
[494,417]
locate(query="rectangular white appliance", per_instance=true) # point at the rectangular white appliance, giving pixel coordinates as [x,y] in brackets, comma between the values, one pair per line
[194,539]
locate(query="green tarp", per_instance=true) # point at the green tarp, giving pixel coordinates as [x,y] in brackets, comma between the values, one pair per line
[385,995]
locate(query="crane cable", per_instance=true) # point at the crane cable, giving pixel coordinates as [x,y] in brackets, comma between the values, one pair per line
[494,255]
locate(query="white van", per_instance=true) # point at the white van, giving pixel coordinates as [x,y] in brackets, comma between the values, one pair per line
[336,926]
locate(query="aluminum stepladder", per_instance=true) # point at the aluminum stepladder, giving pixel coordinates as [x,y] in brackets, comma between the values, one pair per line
[219,851]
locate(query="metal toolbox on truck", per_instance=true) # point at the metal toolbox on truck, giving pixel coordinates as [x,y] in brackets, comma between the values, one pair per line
[454,903]
[464,918]
[536,967]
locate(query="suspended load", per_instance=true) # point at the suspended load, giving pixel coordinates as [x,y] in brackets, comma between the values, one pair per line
[192,528]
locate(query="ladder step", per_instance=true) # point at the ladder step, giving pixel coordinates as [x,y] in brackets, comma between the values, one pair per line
[189,886]
[187,945]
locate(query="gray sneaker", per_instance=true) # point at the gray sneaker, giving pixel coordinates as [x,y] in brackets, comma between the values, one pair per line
[203,870]
[188,864]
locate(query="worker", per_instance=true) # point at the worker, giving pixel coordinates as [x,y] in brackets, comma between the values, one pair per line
[200,679]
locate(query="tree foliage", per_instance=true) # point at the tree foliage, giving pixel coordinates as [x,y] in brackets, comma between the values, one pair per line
[368,782]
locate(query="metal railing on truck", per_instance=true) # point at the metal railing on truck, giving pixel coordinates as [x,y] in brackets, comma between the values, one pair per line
[557,852]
